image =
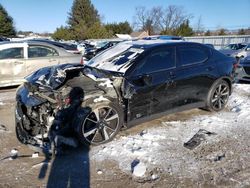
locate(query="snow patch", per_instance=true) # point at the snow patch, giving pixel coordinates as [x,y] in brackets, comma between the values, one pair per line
[91,76]
[99,99]
[162,145]
[106,83]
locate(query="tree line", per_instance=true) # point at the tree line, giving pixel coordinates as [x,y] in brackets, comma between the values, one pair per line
[84,22]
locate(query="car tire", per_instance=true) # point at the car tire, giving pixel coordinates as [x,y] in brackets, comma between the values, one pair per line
[218,96]
[101,124]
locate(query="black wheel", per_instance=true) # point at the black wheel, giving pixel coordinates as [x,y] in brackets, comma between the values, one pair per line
[101,125]
[218,96]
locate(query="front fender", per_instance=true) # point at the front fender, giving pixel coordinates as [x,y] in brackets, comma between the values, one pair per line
[25,97]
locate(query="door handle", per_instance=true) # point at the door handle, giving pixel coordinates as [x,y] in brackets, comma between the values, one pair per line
[209,68]
[172,75]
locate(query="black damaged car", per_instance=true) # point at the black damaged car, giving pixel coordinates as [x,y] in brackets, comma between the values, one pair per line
[127,84]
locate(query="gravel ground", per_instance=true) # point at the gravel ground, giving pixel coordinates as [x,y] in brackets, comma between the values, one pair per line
[190,149]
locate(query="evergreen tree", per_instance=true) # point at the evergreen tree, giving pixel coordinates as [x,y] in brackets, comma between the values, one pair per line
[62,33]
[97,31]
[241,32]
[6,24]
[184,29]
[125,28]
[83,15]
[208,33]
[222,32]
[119,28]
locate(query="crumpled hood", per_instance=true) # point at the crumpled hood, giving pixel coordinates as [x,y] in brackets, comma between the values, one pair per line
[51,77]
[94,82]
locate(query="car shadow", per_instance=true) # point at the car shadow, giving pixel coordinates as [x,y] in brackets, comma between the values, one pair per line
[8,88]
[68,170]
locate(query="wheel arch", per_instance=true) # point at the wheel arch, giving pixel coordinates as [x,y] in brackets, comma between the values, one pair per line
[85,111]
[229,81]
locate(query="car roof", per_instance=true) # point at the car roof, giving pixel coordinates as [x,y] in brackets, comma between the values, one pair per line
[146,44]
[24,42]
[11,44]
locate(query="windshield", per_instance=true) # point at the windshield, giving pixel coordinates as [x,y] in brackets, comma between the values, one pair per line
[116,58]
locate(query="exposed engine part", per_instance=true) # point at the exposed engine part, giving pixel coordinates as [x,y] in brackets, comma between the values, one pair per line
[37,121]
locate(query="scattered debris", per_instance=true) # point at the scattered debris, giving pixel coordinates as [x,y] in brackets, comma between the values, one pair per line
[220,157]
[138,168]
[35,155]
[154,177]
[143,132]
[215,157]
[99,172]
[3,128]
[198,138]
[13,153]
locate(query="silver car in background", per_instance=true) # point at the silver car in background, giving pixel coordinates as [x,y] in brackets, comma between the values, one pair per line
[245,52]
[19,59]
[243,68]
[232,49]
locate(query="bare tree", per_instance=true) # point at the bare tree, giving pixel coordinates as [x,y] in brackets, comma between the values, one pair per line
[158,19]
[172,17]
[140,18]
[199,28]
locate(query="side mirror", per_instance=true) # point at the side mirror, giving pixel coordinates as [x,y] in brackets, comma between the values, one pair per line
[147,79]
[142,80]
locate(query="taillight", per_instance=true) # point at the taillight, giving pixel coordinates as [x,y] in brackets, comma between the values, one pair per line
[236,65]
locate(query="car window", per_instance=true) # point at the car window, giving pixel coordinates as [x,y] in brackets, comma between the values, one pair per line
[192,55]
[160,59]
[241,46]
[11,53]
[41,51]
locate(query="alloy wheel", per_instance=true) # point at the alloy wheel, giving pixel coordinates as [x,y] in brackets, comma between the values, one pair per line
[100,125]
[220,96]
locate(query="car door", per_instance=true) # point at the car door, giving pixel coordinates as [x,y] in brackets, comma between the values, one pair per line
[12,64]
[40,56]
[152,83]
[195,73]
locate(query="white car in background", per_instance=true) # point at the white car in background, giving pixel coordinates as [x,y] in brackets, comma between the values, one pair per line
[19,59]
[245,52]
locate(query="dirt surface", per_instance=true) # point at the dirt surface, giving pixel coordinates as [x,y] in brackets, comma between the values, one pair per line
[224,162]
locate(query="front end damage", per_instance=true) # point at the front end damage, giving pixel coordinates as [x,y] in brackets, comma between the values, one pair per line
[56,100]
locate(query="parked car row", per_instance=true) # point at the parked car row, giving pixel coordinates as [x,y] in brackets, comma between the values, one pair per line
[240,51]
[3,39]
